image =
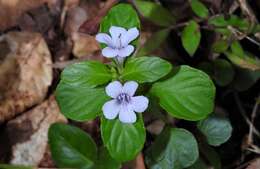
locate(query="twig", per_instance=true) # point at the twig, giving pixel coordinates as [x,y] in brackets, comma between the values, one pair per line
[253,115]
[236,32]
[246,9]
[243,113]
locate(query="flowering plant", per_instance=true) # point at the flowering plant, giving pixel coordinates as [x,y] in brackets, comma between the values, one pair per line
[91,89]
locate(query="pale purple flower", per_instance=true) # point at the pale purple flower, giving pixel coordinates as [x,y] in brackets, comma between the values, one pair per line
[124,103]
[118,44]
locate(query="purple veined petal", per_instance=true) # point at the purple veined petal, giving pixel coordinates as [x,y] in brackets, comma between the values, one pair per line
[139,103]
[126,51]
[111,109]
[130,88]
[113,89]
[115,31]
[126,114]
[104,38]
[129,36]
[109,52]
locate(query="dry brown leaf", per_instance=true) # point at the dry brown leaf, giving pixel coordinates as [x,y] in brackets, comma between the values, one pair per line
[90,26]
[25,72]
[11,10]
[30,131]
[84,45]
[75,17]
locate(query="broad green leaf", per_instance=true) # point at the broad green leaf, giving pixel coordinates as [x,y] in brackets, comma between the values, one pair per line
[80,102]
[155,13]
[105,161]
[244,79]
[9,166]
[188,94]
[153,42]
[91,73]
[232,20]
[174,148]
[242,58]
[220,46]
[190,37]
[247,61]
[216,129]
[223,72]
[220,70]
[123,15]
[71,147]
[145,69]
[123,141]
[199,8]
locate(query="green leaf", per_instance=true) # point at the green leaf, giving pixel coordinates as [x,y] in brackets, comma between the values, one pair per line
[91,73]
[123,15]
[218,21]
[190,37]
[145,69]
[237,49]
[199,9]
[223,72]
[71,147]
[220,46]
[80,102]
[242,58]
[216,129]
[244,79]
[232,20]
[155,13]
[220,70]
[173,149]
[123,141]
[247,61]
[8,166]
[105,161]
[188,94]
[153,42]
[224,31]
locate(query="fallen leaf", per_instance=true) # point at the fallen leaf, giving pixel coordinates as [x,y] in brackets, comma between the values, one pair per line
[11,10]
[30,131]
[25,72]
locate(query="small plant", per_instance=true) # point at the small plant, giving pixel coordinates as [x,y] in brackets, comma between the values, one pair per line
[118,93]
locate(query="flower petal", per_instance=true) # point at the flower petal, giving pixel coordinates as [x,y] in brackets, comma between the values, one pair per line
[104,38]
[126,51]
[113,89]
[115,31]
[139,103]
[126,114]
[130,88]
[109,52]
[111,109]
[129,36]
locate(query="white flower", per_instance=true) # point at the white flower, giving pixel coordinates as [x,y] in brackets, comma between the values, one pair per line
[124,102]
[118,42]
